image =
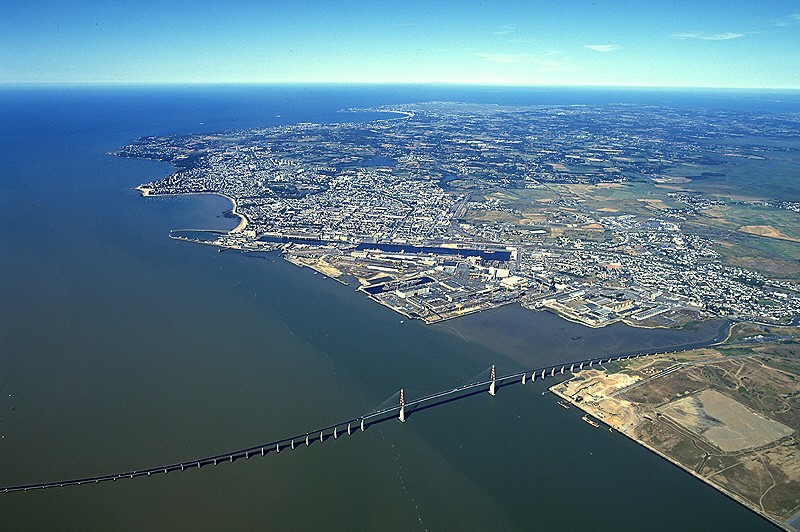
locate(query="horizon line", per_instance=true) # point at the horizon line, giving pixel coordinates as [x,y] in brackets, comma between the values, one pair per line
[87,84]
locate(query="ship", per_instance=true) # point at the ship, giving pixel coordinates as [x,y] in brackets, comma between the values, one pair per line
[590,421]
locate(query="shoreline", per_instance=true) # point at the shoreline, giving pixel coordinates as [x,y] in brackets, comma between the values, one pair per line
[147,192]
[579,405]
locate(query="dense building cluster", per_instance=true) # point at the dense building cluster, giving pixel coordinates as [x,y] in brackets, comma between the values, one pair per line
[444,176]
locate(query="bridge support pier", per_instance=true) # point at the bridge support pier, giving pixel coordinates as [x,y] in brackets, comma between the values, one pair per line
[348,429]
[523,378]
[292,444]
[321,438]
[308,442]
[363,428]
[493,384]
[402,407]
[335,435]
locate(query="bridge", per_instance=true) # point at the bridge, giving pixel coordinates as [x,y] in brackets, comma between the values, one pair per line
[400,410]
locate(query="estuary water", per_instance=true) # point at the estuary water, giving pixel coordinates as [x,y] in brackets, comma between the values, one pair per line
[122,349]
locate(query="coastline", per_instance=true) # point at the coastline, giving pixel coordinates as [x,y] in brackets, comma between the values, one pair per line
[147,192]
[224,357]
[243,221]
[580,405]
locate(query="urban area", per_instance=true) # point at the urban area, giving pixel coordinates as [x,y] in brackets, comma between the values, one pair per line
[600,214]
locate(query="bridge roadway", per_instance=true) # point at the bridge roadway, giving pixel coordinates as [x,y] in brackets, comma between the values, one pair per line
[343,427]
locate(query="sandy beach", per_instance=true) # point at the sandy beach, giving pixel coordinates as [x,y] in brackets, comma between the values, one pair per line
[243,221]
[242,218]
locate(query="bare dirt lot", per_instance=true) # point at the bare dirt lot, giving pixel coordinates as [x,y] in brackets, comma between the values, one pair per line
[723,422]
[728,415]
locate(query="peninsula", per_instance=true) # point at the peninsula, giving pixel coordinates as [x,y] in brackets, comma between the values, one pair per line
[642,214]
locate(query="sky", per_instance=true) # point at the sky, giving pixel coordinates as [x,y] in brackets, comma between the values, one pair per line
[697,43]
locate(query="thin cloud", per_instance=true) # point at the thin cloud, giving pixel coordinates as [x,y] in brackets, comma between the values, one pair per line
[708,36]
[603,48]
[505,30]
[788,21]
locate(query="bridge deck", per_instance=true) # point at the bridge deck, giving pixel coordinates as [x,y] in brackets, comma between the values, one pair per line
[342,427]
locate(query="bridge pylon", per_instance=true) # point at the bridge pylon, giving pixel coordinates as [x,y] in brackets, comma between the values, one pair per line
[493,384]
[402,407]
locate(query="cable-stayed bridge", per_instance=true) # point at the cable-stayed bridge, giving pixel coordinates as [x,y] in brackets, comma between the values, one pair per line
[399,408]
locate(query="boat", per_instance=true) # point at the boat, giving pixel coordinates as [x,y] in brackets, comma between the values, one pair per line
[564,404]
[590,421]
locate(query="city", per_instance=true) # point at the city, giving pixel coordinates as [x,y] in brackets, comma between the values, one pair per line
[595,213]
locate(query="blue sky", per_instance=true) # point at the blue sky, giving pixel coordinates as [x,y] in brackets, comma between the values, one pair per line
[701,43]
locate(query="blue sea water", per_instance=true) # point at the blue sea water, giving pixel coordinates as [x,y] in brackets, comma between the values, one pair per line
[121,349]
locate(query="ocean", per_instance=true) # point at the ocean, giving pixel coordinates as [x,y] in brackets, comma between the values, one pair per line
[122,349]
